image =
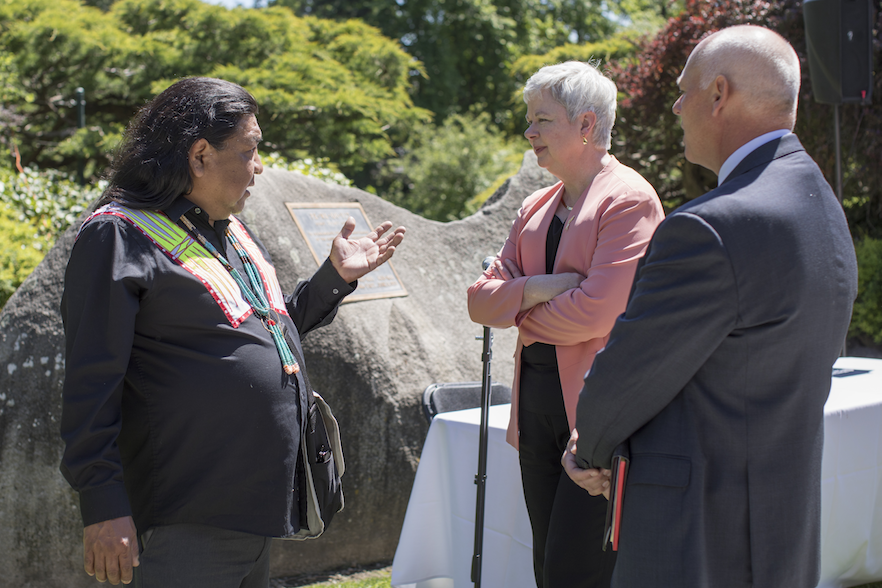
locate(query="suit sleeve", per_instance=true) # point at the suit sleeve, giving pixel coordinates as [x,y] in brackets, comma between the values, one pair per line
[493,302]
[589,312]
[684,304]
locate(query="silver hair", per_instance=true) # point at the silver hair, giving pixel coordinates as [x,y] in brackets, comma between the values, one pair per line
[579,87]
[755,60]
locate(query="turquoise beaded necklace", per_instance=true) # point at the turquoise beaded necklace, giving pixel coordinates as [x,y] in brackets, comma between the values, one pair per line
[254,293]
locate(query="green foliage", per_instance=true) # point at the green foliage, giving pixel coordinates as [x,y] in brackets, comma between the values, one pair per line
[38,205]
[346,100]
[860,129]
[378,579]
[47,200]
[56,46]
[35,206]
[333,90]
[444,167]
[602,53]
[646,17]
[866,320]
[616,47]
[468,46]
[326,89]
[648,136]
[21,249]
[11,91]
[319,168]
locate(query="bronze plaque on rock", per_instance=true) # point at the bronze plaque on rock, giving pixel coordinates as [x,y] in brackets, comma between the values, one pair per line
[320,223]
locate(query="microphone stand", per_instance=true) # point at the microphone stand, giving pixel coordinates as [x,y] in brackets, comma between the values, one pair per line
[481,476]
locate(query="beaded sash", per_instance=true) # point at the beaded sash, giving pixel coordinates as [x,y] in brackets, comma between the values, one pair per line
[185,251]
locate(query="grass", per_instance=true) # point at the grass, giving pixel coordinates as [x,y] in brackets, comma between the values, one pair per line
[382,578]
[380,582]
[378,576]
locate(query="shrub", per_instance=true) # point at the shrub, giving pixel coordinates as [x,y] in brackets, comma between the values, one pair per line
[648,136]
[444,167]
[49,200]
[38,205]
[21,249]
[35,207]
[866,320]
[315,168]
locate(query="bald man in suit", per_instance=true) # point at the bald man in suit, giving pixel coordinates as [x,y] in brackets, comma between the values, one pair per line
[717,373]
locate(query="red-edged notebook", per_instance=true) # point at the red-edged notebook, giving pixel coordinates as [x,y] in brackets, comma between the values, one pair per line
[621,459]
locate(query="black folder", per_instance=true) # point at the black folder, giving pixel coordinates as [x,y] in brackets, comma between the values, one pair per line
[620,461]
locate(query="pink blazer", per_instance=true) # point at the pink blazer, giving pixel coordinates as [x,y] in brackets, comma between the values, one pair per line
[606,233]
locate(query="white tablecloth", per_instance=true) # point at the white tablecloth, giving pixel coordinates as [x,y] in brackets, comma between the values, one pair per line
[437,539]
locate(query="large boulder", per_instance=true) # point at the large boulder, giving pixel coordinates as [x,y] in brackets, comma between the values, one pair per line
[371,364]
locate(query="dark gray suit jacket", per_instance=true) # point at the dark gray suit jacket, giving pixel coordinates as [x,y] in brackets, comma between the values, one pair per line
[717,374]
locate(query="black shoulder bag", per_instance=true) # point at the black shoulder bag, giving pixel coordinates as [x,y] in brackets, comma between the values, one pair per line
[320,462]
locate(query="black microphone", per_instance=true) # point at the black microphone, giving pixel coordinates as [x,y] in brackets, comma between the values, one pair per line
[487,261]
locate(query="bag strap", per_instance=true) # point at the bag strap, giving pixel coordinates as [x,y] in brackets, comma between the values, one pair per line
[310,400]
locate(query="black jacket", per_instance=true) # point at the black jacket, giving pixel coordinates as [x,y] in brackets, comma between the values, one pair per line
[170,413]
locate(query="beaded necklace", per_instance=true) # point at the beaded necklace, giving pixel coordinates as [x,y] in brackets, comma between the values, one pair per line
[254,293]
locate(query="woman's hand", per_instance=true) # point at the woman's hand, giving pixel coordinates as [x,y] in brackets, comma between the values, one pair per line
[544,287]
[539,288]
[505,269]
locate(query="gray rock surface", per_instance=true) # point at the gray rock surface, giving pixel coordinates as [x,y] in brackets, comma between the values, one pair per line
[371,365]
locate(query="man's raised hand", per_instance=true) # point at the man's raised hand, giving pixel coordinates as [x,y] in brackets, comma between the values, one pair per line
[353,258]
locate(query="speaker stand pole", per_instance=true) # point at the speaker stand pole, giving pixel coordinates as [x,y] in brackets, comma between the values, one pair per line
[843,350]
[481,476]
[838,152]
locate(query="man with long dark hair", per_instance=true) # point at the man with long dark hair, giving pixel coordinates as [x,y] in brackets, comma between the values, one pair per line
[182,405]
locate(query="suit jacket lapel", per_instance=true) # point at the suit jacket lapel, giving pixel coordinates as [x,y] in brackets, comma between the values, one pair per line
[765,154]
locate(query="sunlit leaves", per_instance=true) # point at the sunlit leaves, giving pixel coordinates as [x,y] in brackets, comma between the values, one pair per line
[327,89]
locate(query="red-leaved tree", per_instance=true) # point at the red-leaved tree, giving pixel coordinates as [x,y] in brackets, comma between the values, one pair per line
[649,137]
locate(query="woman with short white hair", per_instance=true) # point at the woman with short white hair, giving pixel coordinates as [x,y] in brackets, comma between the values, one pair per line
[562,277]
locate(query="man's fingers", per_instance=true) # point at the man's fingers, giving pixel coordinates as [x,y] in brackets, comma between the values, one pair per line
[391,239]
[112,570]
[126,562]
[100,569]
[110,550]
[348,227]
[387,254]
[89,562]
[382,229]
[397,237]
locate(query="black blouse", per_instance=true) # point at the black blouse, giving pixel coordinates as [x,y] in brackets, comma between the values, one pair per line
[540,390]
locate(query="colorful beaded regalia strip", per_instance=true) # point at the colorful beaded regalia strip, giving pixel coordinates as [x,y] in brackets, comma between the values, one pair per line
[184,250]
[255,292]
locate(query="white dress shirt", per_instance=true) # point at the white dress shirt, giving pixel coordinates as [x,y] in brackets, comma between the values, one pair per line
[743,151]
